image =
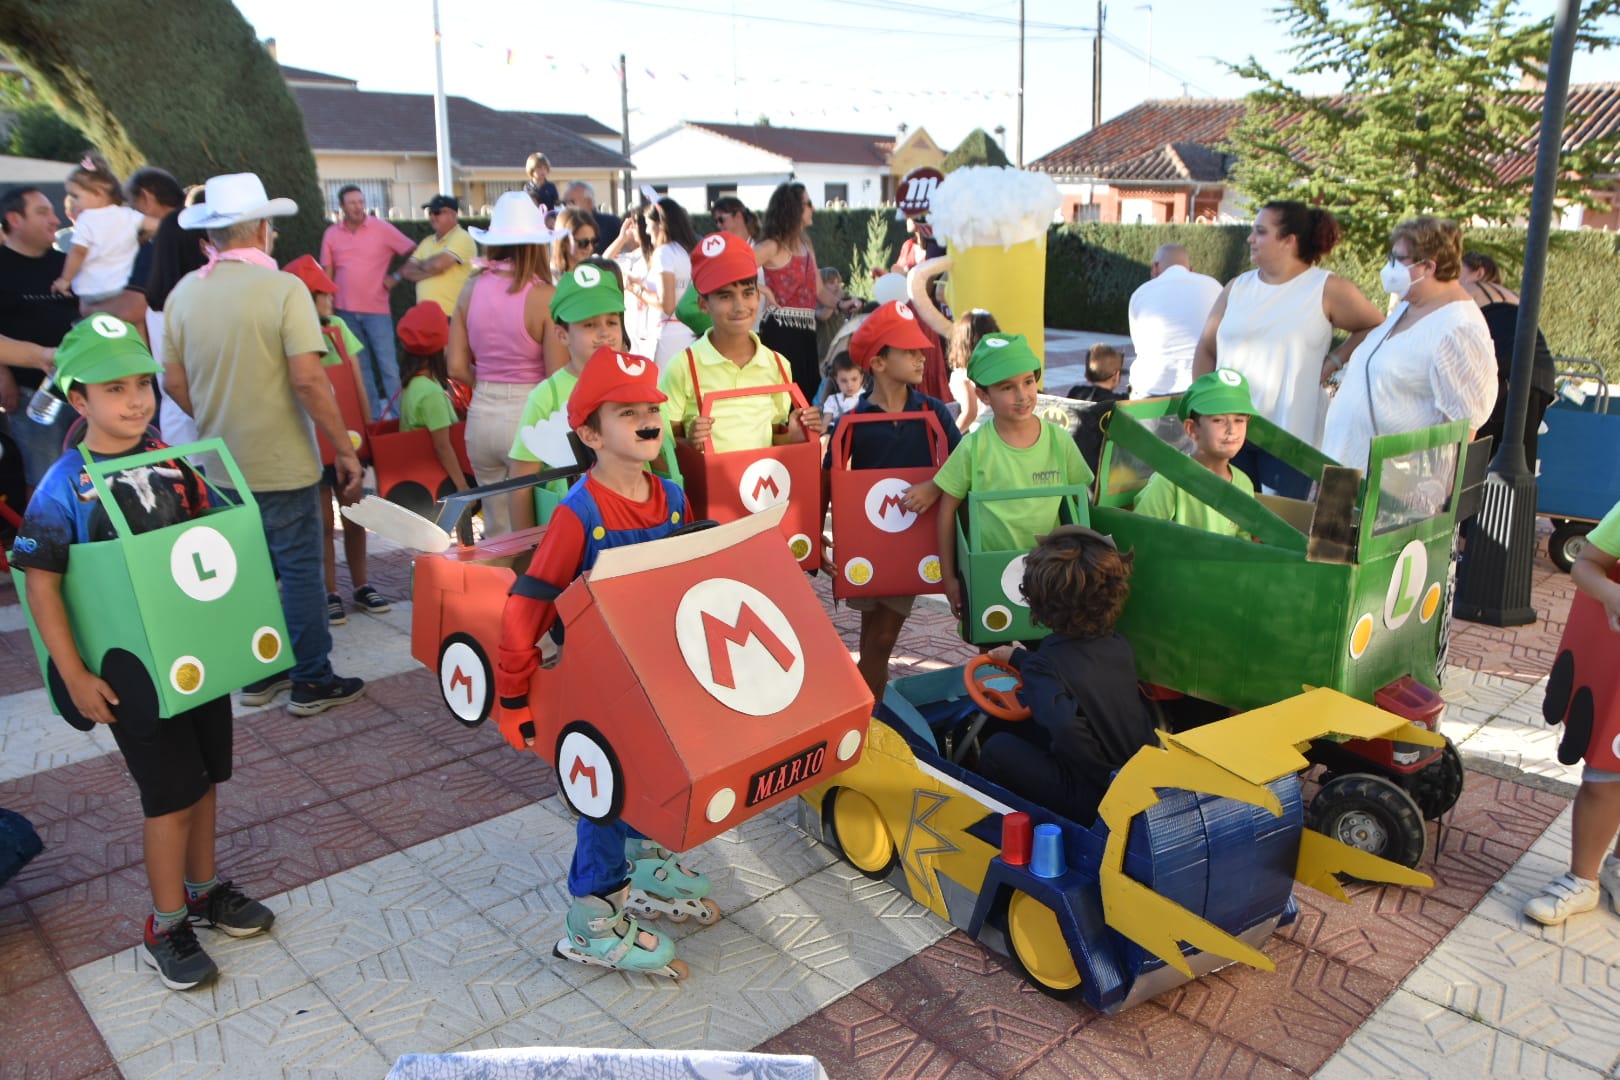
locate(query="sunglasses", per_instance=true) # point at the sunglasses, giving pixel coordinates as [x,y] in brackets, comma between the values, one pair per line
[585,241]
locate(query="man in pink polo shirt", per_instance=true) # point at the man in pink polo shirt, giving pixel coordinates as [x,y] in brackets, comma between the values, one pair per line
[358,253]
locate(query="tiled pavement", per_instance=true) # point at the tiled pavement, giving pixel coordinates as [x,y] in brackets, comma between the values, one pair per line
[415,868]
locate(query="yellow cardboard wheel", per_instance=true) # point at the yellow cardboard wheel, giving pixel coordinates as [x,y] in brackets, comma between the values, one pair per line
[861,834]
[1037,941]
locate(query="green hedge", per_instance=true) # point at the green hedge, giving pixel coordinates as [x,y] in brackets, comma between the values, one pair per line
[1092,269]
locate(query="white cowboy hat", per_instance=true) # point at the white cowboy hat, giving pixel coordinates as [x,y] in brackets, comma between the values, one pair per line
[516,221]
[234,198]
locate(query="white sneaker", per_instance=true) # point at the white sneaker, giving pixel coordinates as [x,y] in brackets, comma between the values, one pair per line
[1562,897]
[1609,878]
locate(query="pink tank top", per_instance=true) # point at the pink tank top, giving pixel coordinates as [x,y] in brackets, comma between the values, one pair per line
[500,341]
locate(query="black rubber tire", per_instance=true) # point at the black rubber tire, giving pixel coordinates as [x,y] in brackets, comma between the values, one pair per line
[1566,542]
[1437,787]
[487,705]
[1370,813]
[412,496]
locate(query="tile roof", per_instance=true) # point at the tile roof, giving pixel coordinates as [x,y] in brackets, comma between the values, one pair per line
[578,123]
[340,119]
[297,74]
[803,144]
[1178,139]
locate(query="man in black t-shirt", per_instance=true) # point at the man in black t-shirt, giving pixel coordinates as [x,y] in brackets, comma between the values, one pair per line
[32,322]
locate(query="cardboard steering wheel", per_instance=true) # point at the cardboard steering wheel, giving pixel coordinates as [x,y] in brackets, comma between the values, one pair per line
[996,702]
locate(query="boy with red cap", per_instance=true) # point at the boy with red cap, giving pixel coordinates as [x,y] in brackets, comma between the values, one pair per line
[890,344]
[344,349]
[614,410]
[425,402]
[730,355]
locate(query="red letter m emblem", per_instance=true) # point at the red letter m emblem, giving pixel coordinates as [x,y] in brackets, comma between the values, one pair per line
[716,634]
[891,501]
[766,482]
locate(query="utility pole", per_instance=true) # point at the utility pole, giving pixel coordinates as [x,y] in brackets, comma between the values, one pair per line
[624,125]
[1096,71]
[1019,141]
[441,111]
[1149,89]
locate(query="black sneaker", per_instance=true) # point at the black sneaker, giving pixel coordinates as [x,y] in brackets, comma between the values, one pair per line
[264,691]
[334,610]
[371,601]
[178,958]
[225,908]
[310,698]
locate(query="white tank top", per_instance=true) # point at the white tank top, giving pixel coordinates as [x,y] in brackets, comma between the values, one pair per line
[1277,335]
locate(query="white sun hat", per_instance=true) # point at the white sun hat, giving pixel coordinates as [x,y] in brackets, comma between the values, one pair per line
[516,221]
[231,199]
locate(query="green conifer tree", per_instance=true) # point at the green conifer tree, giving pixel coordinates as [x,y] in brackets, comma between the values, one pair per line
[1431,107]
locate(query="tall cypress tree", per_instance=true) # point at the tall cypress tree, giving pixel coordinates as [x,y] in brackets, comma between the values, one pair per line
[1432,105]
[184,85]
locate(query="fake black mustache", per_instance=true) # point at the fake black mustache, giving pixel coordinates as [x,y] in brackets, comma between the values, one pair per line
[648,433]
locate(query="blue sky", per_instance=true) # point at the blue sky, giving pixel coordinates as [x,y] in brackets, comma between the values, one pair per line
[855,65]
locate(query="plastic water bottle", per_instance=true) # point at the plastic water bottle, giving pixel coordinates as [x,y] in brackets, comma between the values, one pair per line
[44,407]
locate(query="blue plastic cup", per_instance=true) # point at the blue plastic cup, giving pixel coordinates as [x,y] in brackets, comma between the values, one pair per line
[1047,859]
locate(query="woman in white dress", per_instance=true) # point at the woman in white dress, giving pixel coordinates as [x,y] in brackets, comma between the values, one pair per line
[1275,324]
[632,249]
[669,272]
[1430,362]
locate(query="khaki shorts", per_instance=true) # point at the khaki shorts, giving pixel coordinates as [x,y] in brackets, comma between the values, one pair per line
[900,605]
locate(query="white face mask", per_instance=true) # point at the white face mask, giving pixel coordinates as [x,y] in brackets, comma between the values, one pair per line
[1396,278]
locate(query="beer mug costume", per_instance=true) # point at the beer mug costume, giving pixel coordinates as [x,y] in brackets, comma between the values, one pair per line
[993,222]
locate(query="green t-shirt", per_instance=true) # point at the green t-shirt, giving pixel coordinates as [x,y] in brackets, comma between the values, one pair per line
[1161,498]
[983,462]
[1606,535]
[425,404]
[332,357]
[542,434]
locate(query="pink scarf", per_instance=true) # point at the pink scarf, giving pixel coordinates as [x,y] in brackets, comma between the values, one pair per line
[242,255]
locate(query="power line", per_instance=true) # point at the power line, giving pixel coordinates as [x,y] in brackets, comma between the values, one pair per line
[1125,46]
[906,31]
[949,14]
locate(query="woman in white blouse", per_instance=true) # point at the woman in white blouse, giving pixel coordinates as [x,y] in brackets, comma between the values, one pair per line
[1430,362]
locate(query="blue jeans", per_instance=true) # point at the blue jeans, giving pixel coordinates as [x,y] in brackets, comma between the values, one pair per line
[39,444]
[293,522]
[378,362]
[599,865]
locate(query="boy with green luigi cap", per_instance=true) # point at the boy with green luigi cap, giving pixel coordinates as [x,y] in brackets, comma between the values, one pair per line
[587,310]
[1016,450]
[108,375]
[1215,410]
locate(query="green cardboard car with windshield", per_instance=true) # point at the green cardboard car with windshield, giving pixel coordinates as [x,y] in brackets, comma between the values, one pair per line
[175,616]
[1350,591]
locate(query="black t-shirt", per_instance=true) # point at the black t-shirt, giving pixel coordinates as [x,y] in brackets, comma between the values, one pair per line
[29,311]
[1083,692]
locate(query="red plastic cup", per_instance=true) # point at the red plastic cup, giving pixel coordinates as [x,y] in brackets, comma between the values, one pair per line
[1016,839]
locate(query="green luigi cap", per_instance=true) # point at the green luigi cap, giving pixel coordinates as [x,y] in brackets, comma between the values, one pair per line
[999,357]
[1218,393]
[585,292]
[100,349]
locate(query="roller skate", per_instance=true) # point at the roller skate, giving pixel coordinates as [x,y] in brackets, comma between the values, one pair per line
[660,885]
[602,934]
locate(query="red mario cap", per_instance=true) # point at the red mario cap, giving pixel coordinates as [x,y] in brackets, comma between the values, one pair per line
[720,259]
[307,270]
[424,330]
[611,375]
[892,324]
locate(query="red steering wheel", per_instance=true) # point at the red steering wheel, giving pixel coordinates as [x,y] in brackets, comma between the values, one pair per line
[999,703]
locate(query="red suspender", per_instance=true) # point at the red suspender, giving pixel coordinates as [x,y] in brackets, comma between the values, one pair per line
[697,395]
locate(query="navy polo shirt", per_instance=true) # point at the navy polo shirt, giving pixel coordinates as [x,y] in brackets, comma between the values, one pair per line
[895,445]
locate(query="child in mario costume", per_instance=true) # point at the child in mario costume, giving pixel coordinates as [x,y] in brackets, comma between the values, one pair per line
[1215,411]
[729,356]
[890,344]
[109,376]
[614,409]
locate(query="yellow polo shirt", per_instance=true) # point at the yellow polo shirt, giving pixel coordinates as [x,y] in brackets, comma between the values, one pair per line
[443,289]
[742,423]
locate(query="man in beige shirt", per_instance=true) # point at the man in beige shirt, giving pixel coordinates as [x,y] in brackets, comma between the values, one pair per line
[242,355]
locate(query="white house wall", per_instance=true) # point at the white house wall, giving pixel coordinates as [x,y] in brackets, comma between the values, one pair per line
[686,161]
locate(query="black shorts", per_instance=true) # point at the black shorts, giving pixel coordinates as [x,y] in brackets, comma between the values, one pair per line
[185,756]
[329,476]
